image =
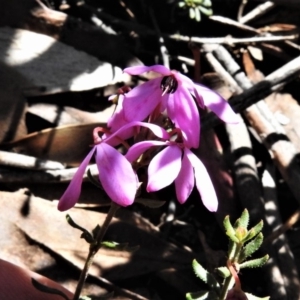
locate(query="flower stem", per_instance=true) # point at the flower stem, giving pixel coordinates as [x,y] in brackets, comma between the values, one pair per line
[94,248]
[226,286]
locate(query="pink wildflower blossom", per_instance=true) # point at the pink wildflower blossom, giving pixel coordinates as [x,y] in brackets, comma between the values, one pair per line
[175,93]
[115,174]
[115,171]
[179,164]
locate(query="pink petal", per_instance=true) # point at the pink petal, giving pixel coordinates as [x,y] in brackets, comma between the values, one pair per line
[203,182]
[185,181]
[117,120]
[141,101]
[122,133]
[217,104]
[116,175]
[72,193]
[164,168]
[185,81]
[139,148]
[142,69]
[186,116]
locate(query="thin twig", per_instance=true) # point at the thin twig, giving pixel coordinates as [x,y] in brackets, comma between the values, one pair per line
[234,23]
[28,162]
[8,175]
[231,40]
[283,150]
[241,9]
[257,12]
[253,94]
[292,220]
[227,21]
[94,248]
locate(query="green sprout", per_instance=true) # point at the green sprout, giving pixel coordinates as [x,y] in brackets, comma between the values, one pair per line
[243,242]
[196,7]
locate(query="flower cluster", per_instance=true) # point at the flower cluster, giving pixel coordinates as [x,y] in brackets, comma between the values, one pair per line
[176,96]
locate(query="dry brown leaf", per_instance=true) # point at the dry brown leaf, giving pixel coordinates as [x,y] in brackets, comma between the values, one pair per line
[256,52]
[66,144]
[69,115]
[42,222]
[278,28]
[14,246]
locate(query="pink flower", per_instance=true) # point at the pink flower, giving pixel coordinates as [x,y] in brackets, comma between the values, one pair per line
[175,93]
[115,171]
[115,174]
[176,163]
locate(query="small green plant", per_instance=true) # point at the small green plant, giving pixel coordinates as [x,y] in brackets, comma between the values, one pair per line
[242,244]
[196,7]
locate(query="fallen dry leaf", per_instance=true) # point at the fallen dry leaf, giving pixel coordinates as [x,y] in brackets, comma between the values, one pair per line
[66,144]
[42,222]
[68,115]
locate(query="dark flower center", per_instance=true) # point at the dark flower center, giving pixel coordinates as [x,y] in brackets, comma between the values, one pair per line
[169,84]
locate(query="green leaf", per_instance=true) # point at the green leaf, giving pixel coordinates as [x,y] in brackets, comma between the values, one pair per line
[48,290]
[254,263]
[118,247]
[207,11]
[243,221]
[252,297]
[198,13]
[85,234]
[150,202]
[251,247]
[223,272]
[241,233]
[230,230]
[202,295]
[192,13]
[206,3]
[205,276]
[255,230]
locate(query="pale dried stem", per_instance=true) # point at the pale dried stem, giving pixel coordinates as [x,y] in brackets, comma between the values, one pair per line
[245,171]
[257,12]
[228,40]
[265,124]
[22,161]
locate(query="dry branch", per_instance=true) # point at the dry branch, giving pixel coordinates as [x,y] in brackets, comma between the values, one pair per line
[9,175]
[10,159]
[266,125]
[257,12]
[270,84]
[229,40]
[245,172]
